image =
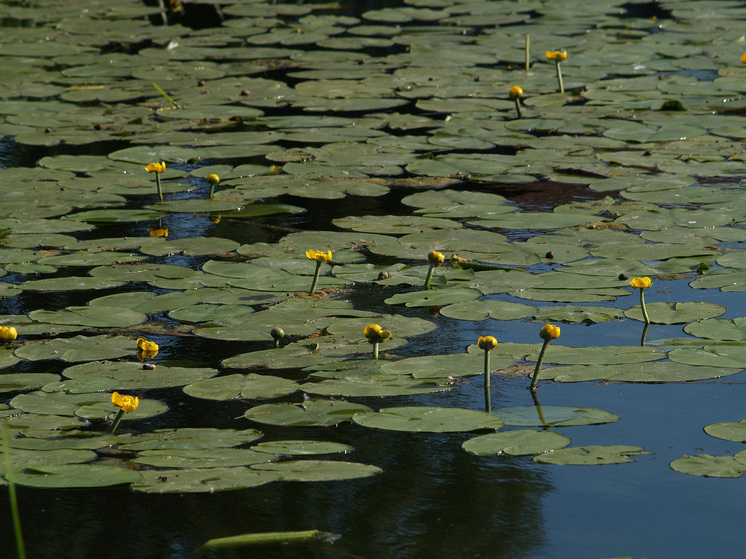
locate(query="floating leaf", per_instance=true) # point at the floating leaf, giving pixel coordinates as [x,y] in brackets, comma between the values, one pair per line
[202,480]
[187,438]
[75,475]
[677,313]
[728,431]
[516,443]
[319,470]
[710,466]
[428,419]
[312,413]
[302,448]
[555,416]
[251,387]
[591,455]
[201,458]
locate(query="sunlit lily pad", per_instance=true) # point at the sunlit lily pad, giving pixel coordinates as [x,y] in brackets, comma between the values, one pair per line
[302,448]
[555,416]
[202,480]
[319,470]
[428,419]
[711,356]
[75,475]
[312,413]
[12,382]
[516,443]
[728,431]
[373,385]
[435,297]
[591,455]
[446,366]
[677,313]
[728,330]
[711,466]
[79,348]
[658,371]
[251,387]
[94,317]
[201,458]
[131,375]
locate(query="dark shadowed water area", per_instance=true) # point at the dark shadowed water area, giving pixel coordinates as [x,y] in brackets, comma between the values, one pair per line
[432,498]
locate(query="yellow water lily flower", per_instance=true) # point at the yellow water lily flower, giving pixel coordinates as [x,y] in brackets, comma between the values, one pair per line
[641,283]
[515,92]
[487,342]
[556,55]
[156,167]
[146,346]
[375,334]
[743,58]
[319,256]
[158,231]
[127,403]
[436,258]
[8,333]
[549,332]
[213,179]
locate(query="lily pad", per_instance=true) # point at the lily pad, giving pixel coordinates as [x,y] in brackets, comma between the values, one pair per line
[202,480]
[728,431]
[516,443]
[591,455]
[201,458]
[302,448]
[312,413]
[676,313]
[251,387]
[319,470]
[428,420]
[555,416]
[707,465]
[75,475]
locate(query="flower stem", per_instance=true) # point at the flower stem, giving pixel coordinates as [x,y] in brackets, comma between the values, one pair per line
[315,278]
[117,419]
[375,350]
[642,304]
[535,376]
[518,107]
[644,334]
[12,494]
[487,369]
[429,275]
[212,190]
[528,40]
[559,76]
[158,184]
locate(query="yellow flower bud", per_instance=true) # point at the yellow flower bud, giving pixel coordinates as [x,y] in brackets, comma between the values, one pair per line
[436,258]
[375,334]
[158,231]
[515,92]
[127,403]
[641,283]
[743,58]
[556,55]
[156,167]
[213,179]
[8,333]
[146,346]
[319,256]
[487,342]
[549,332]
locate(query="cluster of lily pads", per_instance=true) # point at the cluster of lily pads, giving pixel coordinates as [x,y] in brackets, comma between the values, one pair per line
[277,125]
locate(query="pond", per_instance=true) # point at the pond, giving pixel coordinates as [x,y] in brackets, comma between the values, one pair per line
[227,210]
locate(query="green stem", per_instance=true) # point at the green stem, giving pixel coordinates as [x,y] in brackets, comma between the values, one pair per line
[375,350]
[158,184]
[265,539]
[644,334]
[315,278]
[559,76]
[429,275]
[642,304]
[518,107]
[539,410]
[12,493]
[487,370]
[535,376]
[212,190]
[528,40]
[117,419]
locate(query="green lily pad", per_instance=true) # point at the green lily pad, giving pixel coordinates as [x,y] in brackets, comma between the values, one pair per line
[676,313]
[302,448]
[79,348]
[516,443]
[446,366]
[202,480]
[711,356]
[319,470]
[312,413]
[104,410]
[591,455]
[658,371]
[201,458]
[12,382]
[435,297]
[25,458]
[428,420]
[727,330]
[707,465]
[373,385]
[187,438]
[555,416]
[728,431]
[130,375]
[75,475]
[93,317]
[491,308]
[251,387]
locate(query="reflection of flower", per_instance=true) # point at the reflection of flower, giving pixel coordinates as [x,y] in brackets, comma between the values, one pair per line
[214,218]
[127,403]
[487,342]
[549,332]
[375,334]
[146,345]
[319,256]
[556,55]
[641,283]
[158,231]
[156,167]
[515,92]
[8,333]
